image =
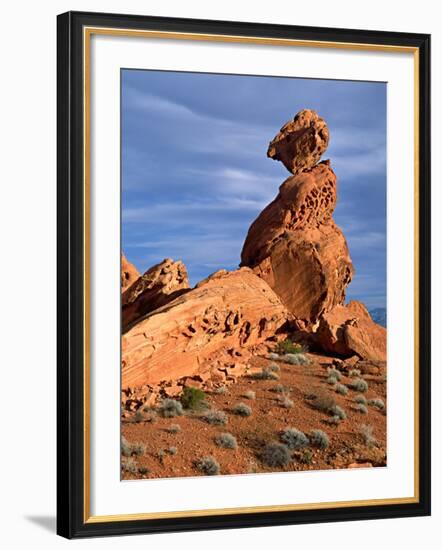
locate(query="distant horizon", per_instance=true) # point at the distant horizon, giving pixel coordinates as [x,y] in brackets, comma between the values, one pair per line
[195,173]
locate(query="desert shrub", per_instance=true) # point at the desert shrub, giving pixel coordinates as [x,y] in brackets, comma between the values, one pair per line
[294,439]
[242,409]
[361,399]
[331,371]
[216,418]
[332,380]
[209,466]
[295,359]
[192,398]
[149,415]
[170,408]
[173,428]
[287,346]
[143,470]
[319,439]
[285,402]
[333,421]
[354,373]
[265,374]
[276,455]
[377,403]
[249,394]
[172,451]
[273,356]
[358,385]
[226,440]
[323,402]
[360,407]
[161,455]
[221,390]
[341,389]
[279,388]
[339,412]
[126,447]
[138,448]
[129,465]
[306,456]
[367,435]
[274,367]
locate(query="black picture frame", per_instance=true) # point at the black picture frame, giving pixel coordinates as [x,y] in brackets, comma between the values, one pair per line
[71,519]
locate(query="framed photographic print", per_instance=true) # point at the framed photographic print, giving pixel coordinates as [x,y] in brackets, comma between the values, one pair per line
[243,274]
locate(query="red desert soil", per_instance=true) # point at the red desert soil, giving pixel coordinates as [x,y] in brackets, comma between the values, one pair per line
[195,440]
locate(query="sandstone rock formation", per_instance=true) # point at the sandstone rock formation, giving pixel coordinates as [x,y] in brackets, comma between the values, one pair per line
[298,249]
[301,142]
[207,328]
[349,330]
[129,273]
[158,286]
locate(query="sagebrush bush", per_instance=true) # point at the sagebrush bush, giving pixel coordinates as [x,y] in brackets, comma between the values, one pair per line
[360,407]
[319,439]
[216,418]
[279,388]
[274,367]
[333,421]
[276,455]
[358,385]
[287,346]
[332,380]
[265,374]
[367,435]
[331,371]
[377,403]
[173,428]
[138,448]
[285,402]
[339,412]
[126,447]
[192,398]
[341,389]
[242,409]
[361,399]
[294,438]
[295,359]
[273,356]
[169,408]
[172,450]
[129,465]
[249,394]
[226,440]
[149,415]
[306,457]
[221,390]
[354,373]
[209,466]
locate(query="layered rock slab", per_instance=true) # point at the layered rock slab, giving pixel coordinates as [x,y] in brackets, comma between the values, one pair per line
[349,330]
[225,313]
[129,273]
[159,285]
[298,249]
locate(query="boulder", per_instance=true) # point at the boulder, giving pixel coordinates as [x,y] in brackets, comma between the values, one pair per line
[129,273]
[298,249]
[349,330]
[160,284]
[301,142]
[221,317]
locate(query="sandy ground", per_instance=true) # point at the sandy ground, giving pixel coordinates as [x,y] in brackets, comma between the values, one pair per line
[196,438]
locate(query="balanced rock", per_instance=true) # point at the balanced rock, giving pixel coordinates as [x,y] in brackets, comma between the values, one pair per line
[298,249]
[129,273]
[301,142]
[223,316]
[349,330]
[158,286]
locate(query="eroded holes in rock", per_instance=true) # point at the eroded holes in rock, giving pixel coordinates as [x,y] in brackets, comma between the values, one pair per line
[245,332]
[191,329]
[262,326]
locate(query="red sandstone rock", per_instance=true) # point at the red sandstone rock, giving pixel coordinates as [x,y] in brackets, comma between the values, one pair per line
[297,248]
[349,330]
[227,313]
[300,143]
[129,273]
[158,286]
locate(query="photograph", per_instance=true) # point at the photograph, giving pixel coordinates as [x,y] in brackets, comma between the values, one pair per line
[253,274]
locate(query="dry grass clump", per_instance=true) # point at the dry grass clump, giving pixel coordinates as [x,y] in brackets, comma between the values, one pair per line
[226,440]
[285,402]
[265,374]
[367,435]
[339,412]
[221,390]
[359,385]
[354,373]
[249,394]
[323,402]
[331,371]
[242,409]
[341,389]
[216,418]
[173,428]
[169,408]
[319,439]
[208,466]
[276,455]
[129,465]
[360,407]
[377,403]
[361,399]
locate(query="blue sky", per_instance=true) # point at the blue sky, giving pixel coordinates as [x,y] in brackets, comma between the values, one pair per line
[195,172]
